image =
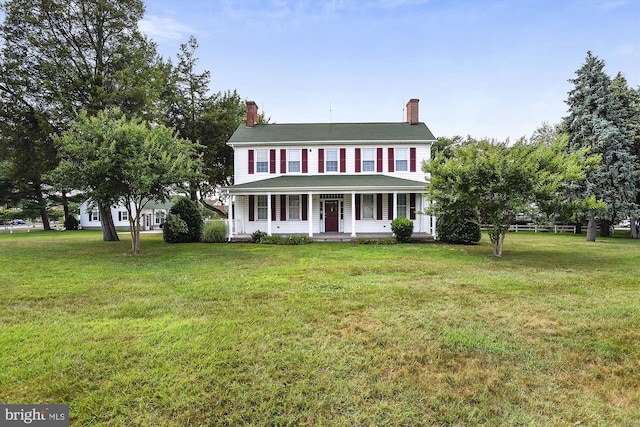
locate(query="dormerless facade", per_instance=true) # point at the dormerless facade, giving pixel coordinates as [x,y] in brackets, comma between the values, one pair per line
[350,178]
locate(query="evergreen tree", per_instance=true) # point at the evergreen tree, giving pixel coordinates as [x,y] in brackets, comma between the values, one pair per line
[629,100]
[595,123]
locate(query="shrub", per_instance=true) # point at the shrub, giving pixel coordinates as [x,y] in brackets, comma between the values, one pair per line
[70,223]
[402,228]
[175,230]
[257,236]
[262,237]
[214,232]
[458,228]
[189,212]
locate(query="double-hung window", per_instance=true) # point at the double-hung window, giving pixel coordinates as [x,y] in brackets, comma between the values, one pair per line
[367,206]
[94,215]
[368,160]
[402,159]
[294,207]
[331,161]
[262,161]
[262,207]
[402,205]
[293,160]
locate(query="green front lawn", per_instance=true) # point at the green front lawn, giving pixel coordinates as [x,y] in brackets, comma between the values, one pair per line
[322,334]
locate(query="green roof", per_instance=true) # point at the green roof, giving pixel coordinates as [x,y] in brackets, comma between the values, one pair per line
[330,183]
[331,132]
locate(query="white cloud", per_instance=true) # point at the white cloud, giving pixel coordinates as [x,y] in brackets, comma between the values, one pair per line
[164,29]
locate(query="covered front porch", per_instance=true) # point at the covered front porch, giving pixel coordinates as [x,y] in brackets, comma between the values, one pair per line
[336,207]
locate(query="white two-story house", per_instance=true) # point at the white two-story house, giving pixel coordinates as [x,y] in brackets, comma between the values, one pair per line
[349,178]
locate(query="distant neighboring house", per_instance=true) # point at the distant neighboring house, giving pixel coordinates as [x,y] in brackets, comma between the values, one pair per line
[153,216]
[320,178]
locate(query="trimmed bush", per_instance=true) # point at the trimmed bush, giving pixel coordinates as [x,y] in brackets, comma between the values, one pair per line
[175,230]
[257,236]
[70,223]
[214,232]
[458,229]
[402,228]
[189,212]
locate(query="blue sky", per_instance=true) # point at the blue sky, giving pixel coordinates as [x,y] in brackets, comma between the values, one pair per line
[486,68]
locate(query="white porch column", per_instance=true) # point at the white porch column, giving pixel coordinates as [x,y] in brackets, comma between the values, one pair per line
[269,214]
[310,214]
[230,215]
[353,215]
[395,205]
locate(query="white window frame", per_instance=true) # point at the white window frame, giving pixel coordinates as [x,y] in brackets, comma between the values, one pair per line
[294,164]
[368,160]
[402,205]
[262,207]
[331,161]
[368,208]
[294,207]
[125,215]
[262,161]
[402,160]
[94,215]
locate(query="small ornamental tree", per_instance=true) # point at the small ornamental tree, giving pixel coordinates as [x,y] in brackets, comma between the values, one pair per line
[499,181]
[128,162]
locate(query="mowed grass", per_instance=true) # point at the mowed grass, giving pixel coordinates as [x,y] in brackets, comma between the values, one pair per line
[322,334]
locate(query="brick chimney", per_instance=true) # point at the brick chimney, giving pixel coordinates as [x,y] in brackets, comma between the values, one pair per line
[252,113]
[412,111]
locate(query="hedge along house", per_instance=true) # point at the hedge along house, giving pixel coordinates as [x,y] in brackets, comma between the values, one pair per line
[320,178]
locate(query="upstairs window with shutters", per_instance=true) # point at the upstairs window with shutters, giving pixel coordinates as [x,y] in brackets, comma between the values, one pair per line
[331,158]
[262,161]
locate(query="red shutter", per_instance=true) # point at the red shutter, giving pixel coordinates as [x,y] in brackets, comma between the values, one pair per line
[379,206]
[390,207]
[251,163]
[283,207]
[412,206]
[305,161]
[320,160]
[358,162]
[252,208]
[392,165]
[379,160]
[357,206]
[343,160]
[272,161]
[305,203]
[283,161]
[273,207]
[412,159]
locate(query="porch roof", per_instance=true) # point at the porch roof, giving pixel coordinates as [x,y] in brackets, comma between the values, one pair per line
[329,184]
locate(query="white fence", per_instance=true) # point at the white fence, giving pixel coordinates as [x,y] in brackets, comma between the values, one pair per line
[539,228]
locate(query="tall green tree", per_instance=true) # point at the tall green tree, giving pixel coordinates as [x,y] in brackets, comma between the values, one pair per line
[498,181]
[595,123]
[629,100]
[125,161]
[61,56]
[203,117]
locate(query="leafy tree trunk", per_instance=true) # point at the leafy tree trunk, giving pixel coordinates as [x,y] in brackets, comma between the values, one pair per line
[499,244]
[134,226]
[605,228]
[592,227]
[635,227]
[109,233]
[42,205]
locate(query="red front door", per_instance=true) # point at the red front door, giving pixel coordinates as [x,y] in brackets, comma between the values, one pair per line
[331,216]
